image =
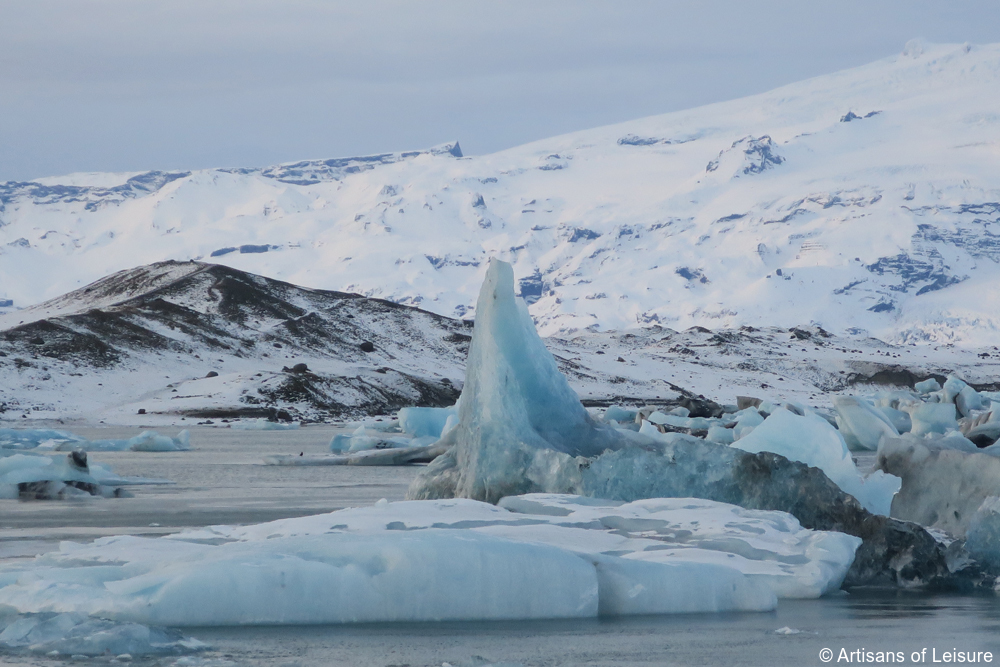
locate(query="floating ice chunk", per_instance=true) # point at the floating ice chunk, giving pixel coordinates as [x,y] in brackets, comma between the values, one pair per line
[933,418]
[76,634]
[619,414]
[746,421]
[147,441]
[968,400]
[953,387]
[945,479]
[900,420]
[983,537]
[428,575]
[39,476]
[392,456]
[811,440]
[927,386]
[861,424]
[20,438]
[721,435]
[151,441]
[265,425]
[362,440]
[421,422]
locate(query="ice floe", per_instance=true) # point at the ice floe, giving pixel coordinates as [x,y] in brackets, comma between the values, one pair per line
[535,556]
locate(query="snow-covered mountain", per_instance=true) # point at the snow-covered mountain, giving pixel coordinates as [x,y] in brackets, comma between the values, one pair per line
[862,200]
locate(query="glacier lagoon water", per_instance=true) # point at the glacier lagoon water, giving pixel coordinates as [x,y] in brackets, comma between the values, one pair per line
[220,481]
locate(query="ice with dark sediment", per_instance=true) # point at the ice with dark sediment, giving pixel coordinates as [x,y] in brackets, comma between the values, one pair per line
[34,476]
[521,430]
[812,440]
[945,478]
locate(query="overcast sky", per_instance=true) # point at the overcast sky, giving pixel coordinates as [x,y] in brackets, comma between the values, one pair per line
[128,85]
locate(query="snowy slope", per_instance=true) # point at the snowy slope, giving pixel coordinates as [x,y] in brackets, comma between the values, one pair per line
[864,201]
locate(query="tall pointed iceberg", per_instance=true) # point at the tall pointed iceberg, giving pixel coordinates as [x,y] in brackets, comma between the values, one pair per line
[516,407]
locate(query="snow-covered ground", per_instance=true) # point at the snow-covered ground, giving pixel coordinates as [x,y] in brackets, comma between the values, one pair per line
[861,201]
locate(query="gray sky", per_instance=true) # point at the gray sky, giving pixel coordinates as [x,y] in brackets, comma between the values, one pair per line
[128,85]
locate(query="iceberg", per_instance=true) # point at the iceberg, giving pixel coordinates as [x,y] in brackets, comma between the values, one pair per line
[968,401]
[810,439]
[677,421]
[721,435]
[933,418]
[515,404]
[535,556]
[953,386]
[388,456]
[861,424]
[928,386]
[362,440]
[427,422]
[619,414]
